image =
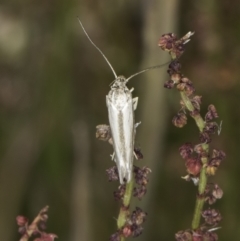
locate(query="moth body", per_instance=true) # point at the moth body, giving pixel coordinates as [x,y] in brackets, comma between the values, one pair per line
[121,107]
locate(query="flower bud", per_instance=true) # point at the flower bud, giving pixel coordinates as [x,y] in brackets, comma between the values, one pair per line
[193,166]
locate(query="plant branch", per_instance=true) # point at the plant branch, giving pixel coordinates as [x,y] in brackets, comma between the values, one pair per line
[203,176]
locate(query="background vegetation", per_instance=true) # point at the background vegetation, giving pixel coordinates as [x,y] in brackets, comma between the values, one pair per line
[52,95]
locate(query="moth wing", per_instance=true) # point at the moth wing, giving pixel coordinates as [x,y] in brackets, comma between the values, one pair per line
[122,128]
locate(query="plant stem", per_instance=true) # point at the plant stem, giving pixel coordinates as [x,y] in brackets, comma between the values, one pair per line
[203,176]
[124,210]
[200,199]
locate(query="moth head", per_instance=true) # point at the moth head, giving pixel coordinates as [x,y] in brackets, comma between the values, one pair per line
[119,82]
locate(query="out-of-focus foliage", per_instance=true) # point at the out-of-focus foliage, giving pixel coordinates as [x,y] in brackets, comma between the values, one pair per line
[53,85]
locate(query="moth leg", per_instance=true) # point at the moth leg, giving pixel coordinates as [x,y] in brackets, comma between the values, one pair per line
[137,124]
[112,156]
[135,103]
[135,127]
[137,153]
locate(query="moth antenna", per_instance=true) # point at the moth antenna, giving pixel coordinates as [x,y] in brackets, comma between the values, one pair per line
[142,71]
[97,48]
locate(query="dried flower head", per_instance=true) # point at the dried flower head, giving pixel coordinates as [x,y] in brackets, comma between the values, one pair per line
[180,120]
[214,161]
[174,68]
[211,114]
[200,150]
[211,216]
[176,77]
[217,192]
[138,216]
[183,236]
[167,42]
[103,132]
[186,85]
[218,155]
[170,43]
[210,236]
[169,84]
[139,192]
[211,127]
[141,174]
[186,150]
[118,195]
[112,173]
[204,137]
[212,193]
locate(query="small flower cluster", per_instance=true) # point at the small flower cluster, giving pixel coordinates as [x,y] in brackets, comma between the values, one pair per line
[194,156]
[198,161]
[142,181]
[212,193]
[211,216]
[133,227]
[36,228]
[197,235]
[112,174]
[169,42]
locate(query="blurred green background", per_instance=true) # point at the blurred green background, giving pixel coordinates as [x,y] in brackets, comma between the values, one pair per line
[53,85]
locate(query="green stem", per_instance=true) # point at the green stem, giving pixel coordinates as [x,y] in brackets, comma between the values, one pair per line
[203,176]
[200,199]
[124,210]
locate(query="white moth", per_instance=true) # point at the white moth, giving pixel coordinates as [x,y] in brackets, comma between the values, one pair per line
[121,108]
